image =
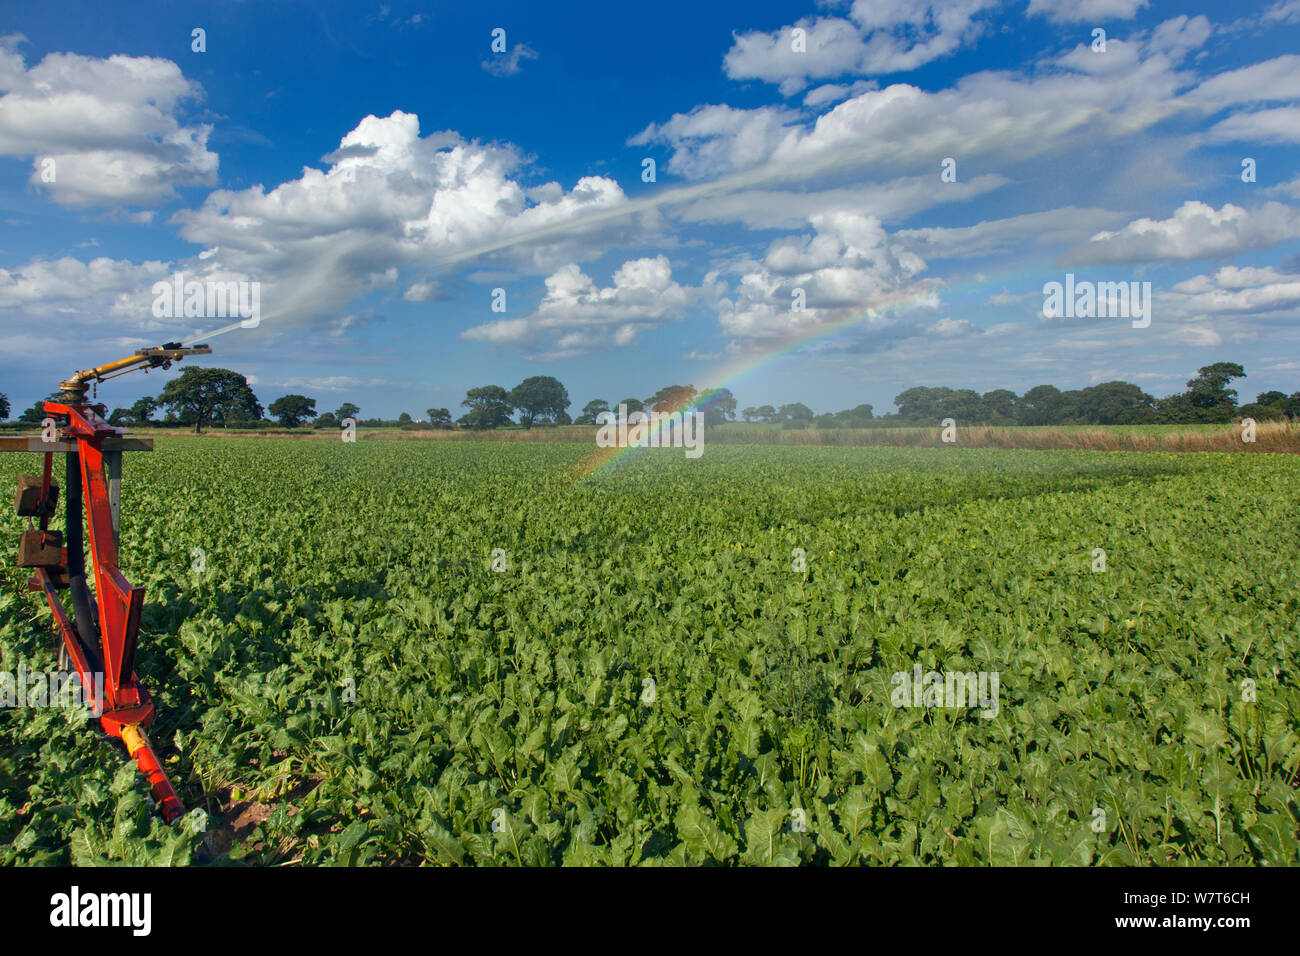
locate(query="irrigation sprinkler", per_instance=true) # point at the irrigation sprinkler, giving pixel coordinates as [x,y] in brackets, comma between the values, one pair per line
[101,635]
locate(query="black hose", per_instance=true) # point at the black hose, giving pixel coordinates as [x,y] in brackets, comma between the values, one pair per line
[85,622]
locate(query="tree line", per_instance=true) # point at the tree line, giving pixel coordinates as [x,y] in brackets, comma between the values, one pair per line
[1207,399]
[218,397]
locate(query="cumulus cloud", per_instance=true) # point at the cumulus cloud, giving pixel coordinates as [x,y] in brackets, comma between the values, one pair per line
[1245,290]
[877,38]
[577,316]
[847,269]
[425,292]
[102,132]
[68,285]
[712,140]
[1195,231]
[389,199]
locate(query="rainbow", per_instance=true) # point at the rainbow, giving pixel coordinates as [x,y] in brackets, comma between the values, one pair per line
[606,460]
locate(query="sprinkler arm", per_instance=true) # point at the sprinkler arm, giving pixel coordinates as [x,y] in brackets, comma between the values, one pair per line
[72,391]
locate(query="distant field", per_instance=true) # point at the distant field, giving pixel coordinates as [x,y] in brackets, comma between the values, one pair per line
[1269,436]
[685,661]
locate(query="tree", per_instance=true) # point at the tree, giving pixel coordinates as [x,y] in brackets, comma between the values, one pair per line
[142,408]
[1039,406]
[1114,403]
[998,407]
[1262,413]
[718,405]
[1176,410]
[120,417]
[34,415]
[246,409]
[672,398]
[404,419]
[765,413]
[204,396]
[749,414]
[489,407]
[292,409]
[326,420]
[963,404]
[439,416]
[1209,389]
[1263,398]
[923,403]
[633,405]
[591,410]
[4,406]
[539,397]
[857,417]
[347,410]
[796,414]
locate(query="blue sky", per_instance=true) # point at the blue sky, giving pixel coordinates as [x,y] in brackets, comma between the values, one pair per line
[379,171]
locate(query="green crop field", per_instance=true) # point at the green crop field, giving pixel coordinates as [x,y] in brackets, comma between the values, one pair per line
[485,653]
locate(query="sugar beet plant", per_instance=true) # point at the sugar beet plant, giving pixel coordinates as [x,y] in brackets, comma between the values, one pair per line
[463,653]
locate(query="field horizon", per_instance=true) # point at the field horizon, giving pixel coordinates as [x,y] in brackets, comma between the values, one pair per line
[1270,437]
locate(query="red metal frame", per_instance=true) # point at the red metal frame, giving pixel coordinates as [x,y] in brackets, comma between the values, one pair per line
[126,707]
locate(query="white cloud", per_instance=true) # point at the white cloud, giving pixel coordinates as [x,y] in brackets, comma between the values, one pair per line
[1198,336]
[849,270]
[1080,11]
[1007,297]
[986,116]
[109,127]
[1290,188]
[787,209]
[1284,11]
[69,285]
[829,93]
[1196,231]
[952,328]
[713,140]
[425,292]
[577,316]
[1270,81]
[1248,290]
[1280,125]
[391,199]
[880,36]
[509,63]
[1051,227]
